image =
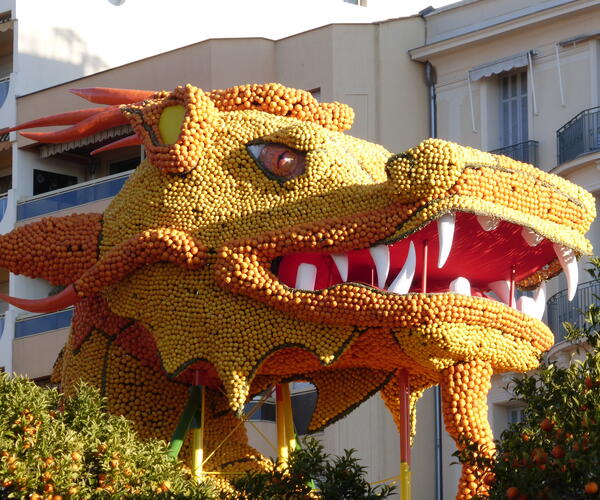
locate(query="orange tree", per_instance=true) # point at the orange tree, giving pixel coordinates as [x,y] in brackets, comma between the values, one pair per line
[52,447]
[554,453]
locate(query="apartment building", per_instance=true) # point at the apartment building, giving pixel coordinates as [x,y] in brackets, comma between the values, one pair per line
[523,79]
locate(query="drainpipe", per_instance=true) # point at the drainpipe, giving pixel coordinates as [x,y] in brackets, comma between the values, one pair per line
[431,78]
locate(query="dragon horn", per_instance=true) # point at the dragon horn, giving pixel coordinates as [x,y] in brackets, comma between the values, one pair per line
[112,117]
[130,140]
[65,298]
[105,95]
[70,118]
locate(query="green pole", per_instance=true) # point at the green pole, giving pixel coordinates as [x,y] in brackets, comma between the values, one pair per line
[192,406]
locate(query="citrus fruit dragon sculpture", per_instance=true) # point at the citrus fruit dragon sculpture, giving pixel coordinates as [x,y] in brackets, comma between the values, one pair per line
[258,243]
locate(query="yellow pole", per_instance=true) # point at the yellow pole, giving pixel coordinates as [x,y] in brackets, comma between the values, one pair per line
[404,435]
[198,440]
[282,444]
[290,431]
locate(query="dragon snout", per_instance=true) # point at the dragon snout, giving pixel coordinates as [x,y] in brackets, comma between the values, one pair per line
[426,171]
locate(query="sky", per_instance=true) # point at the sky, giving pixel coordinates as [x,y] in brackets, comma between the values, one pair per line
[92,35]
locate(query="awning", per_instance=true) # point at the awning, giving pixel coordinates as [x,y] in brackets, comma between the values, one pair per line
[53,149]
[6,25]
[520,60]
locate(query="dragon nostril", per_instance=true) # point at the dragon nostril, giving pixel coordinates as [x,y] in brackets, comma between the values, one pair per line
[426,171]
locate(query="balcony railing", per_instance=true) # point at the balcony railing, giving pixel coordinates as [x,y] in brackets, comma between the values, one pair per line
[580,135]
[41,323]
[560,309]
[527,152]
[72,196]
[4,86]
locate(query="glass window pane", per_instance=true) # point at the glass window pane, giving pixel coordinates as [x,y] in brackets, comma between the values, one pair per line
[514,122]
[513,86]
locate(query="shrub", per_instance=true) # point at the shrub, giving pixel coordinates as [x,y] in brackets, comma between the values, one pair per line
[54,447]
[311,473]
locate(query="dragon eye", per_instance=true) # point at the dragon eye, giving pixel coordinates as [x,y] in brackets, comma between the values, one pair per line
[279,162]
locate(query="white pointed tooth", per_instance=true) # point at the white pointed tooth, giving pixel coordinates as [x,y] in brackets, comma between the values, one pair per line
[539,299]
[540,295]
[381,257]
[527,305]
[461,285]
[402,282]
[445,225]
[531,237]
[567,260]
[502,290]
[341,262]
[306,276]
[487,222]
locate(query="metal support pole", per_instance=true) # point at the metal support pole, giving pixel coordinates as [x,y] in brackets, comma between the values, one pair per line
[198,437]
[185,421]
[290,431]
[405,480]
[511,294]
[282,445]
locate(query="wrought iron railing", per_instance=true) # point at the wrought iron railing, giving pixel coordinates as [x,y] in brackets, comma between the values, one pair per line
[580,135]
[527,151]
[559,309]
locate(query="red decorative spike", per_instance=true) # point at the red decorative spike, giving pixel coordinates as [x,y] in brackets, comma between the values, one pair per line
[130,140]
[106,95]
[70,118]
[66,298]
[112,117]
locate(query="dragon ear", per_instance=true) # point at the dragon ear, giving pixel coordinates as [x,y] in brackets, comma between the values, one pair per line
[174,127]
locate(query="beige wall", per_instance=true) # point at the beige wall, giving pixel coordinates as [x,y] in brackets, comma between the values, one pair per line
[35,355]
[579,70]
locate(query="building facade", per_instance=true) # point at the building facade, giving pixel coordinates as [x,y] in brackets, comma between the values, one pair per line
[523,79]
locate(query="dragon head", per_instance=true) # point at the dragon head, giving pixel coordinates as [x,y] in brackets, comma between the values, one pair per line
[258,238]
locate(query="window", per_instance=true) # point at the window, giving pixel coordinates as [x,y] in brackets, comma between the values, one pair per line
[513,108]
[49,181]
[5,183]
[516,415]
[123,165]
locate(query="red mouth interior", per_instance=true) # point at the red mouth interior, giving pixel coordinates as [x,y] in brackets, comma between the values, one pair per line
[480,256]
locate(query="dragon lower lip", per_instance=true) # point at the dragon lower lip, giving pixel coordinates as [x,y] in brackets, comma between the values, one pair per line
[482,255]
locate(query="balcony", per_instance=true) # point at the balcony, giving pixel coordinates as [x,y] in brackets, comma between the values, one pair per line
[579,136]
[40,323]
[527,152]
[560,309]
[72,196]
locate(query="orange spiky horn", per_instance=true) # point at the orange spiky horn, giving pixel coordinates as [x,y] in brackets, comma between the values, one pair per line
[70,118]
[58,249]
[105,95]
[103,120]
[65,298]
[130,140]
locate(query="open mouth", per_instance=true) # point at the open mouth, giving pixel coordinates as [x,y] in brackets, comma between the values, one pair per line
[461,253]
